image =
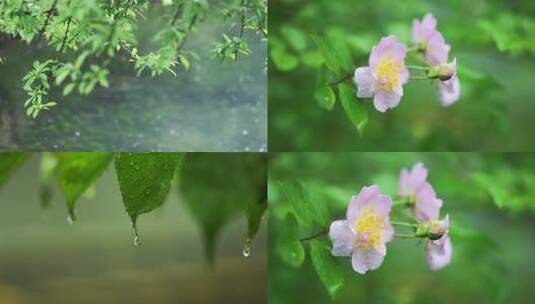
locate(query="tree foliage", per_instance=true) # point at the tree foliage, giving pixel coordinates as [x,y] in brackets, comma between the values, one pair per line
[88,35]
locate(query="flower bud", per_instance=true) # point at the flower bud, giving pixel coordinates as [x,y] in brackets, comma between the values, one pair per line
[444,71]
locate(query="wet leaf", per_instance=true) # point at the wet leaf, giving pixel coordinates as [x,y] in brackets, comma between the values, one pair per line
[77,172]
[145,179]
[288,246]
[355,109]
[218,187]
[9,162]
[329,271]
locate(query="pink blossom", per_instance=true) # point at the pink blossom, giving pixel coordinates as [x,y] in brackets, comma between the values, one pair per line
[426,204]
[412,181]
[385,76]
[436,50]
[439,252]
[450,90]
[365,231]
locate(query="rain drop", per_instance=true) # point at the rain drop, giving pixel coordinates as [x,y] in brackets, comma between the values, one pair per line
[136,235]
[247,248]
[77,134]
[245,132]
[71,218]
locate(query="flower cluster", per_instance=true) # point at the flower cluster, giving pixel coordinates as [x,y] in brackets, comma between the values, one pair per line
[367,229]
[386,73]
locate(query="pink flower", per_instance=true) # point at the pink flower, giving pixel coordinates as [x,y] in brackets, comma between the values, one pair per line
[436,50]
[411,182]
[365,231]
[426,204]
[425,34]
[385,76]
[439,252]
[450,90]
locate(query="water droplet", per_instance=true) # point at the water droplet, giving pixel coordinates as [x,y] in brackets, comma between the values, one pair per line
[136,235]
[71,218]
[77,134]
[245,132]
[247,248]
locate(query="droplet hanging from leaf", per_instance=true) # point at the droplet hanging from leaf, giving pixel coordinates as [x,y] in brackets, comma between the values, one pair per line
[144,180]
[77,171]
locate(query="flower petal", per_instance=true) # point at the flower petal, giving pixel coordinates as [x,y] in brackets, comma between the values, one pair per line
[361,201]
[437,50]
[384,100]
[449,91]
[365,260]
[387,46]
[439,253]
[342,238]
[365,82]
[421,31]
[427,205]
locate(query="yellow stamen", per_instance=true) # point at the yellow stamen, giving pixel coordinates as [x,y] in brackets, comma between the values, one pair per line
[388,71]
[369,227]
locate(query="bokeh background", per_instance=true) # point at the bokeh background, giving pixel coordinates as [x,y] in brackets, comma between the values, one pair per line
[493,42]
[44,259]
[491,202]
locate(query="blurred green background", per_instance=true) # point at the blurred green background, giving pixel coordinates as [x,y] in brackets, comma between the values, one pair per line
[493,40]
[490,199]
[45,260]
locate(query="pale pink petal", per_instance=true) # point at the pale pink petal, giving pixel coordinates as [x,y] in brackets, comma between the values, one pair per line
[382,48]
[342,238]
[361,201]
[388,233]
[437,50]
[404,76]
[365,260]
[439,253]
[411,182]
[365,82]
[427,205]
[384,100]
[421,31]
[449,91]
[382,205]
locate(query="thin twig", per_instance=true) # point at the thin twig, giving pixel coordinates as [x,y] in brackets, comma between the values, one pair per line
[315,236]
[344,78]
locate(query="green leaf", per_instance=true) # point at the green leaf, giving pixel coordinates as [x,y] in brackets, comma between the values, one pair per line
[295,37]
[355,109]
[288,246]
[283,60]
[68,88]
[331,273]
[77,172]
[335,52]
[324,93]
[9,163]
[145,179]
[217,187]
[307,210]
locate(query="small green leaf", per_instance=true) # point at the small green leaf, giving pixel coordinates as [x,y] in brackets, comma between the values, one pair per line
[68,88]
[306,209]
[288,246]
[295,37]
[355,110]
[331,273]
[9,162]
[335,52]
[145,179]
[324,94]
[283,60]
[77,172]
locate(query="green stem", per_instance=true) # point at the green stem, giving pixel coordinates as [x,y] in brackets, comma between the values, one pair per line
[420,78]
[417,67]
[342,79]
[406,236]
[320,234]
[404,224]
